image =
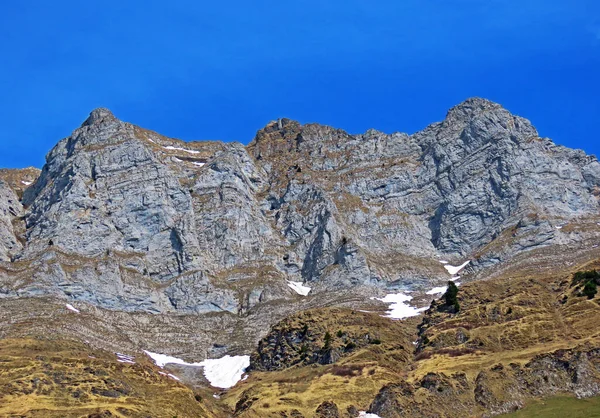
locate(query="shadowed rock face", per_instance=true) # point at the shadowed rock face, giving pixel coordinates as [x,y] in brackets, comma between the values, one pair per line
[10,208]
[155,224]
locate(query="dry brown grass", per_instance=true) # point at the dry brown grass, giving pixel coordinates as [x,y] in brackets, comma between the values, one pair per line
[58,378]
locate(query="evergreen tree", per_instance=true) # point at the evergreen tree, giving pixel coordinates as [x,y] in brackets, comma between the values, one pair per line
[451,296]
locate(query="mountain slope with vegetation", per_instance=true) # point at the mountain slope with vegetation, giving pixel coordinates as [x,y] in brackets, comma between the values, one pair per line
[283,251]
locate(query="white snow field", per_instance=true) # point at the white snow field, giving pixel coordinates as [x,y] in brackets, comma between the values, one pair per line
[399,309]
[222,373]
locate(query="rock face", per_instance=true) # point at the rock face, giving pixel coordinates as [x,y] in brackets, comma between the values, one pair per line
[128,219]
[10,209]
[306,339]
[328,409]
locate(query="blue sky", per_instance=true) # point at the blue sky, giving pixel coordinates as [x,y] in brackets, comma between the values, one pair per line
[221,70]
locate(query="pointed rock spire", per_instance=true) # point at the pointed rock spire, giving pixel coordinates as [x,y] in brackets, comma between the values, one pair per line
[98,115]
[471,107]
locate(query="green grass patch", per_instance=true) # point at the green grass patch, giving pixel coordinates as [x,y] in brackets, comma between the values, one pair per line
[560,407]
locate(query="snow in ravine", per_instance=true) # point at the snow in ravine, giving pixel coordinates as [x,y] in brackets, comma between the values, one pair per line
[222,373]
[299,288]
[453,270]
[72,308]
[399,309]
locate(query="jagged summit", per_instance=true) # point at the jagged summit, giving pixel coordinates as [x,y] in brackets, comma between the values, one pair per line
[99,115]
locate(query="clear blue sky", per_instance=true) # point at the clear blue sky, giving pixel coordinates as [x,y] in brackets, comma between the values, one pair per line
[223,69]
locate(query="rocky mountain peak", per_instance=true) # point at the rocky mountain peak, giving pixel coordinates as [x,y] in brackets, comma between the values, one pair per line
[474,109]
[474,105]
[99,115]
[476,122]
[279,136]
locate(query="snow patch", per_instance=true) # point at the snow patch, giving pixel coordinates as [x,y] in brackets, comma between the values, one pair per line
[124,358]
[453,270]
[437,290]
[399,309]
[171,148]
[363,414]
[225,372]
[27,183]
[222,373]
[72,308]
[444,261]
[198,164]
[162,359]
[172,376]
[299,288]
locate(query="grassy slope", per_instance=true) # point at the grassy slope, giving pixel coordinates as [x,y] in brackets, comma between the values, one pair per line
[511,320]
[560,407]
[46,378]
[353,381]
[507,320]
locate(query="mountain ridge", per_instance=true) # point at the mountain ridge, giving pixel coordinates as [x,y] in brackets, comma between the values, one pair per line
[428,183]
[132,241]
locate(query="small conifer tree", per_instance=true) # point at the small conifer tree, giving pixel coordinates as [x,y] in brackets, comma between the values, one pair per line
[451,296]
